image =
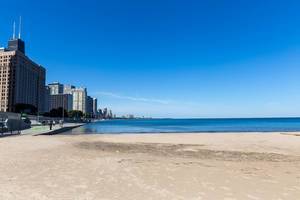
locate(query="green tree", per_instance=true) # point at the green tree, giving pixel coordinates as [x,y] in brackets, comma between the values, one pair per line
[77,114]
[58,112]
[87,115]
[25,108]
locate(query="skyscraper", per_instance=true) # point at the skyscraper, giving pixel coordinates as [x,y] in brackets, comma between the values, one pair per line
[16,45]
[89,105]
[105,113]
[80,99]
[95,102]
[22,80]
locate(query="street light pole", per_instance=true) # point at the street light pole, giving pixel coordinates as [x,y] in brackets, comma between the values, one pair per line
[63,110]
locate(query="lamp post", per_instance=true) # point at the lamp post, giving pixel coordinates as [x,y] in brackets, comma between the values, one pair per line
[63,111]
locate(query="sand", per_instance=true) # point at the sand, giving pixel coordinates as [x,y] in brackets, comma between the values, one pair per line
[151,166]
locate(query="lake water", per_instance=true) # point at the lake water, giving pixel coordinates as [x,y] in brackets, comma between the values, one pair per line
[191,125]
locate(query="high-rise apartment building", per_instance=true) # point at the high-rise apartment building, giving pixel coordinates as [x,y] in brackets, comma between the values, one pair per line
[22,81]
[60,96]
[56,88]
[64,101]
[80,99]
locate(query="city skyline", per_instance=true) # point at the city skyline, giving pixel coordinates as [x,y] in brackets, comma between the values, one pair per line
[176,60]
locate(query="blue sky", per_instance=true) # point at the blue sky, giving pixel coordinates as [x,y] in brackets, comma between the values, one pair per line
[213,58]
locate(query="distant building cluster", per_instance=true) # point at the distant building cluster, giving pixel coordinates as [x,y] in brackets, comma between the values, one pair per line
[105,114]
[130,116]
[23,87]
[70,98]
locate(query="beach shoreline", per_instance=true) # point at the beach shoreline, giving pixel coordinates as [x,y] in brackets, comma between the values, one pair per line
[150,166]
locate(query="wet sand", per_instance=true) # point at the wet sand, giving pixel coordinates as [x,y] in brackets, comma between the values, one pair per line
[151,166]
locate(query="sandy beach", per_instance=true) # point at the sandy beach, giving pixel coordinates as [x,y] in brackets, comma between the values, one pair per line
[151,166]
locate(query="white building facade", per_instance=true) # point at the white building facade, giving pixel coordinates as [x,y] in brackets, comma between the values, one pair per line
[80,99]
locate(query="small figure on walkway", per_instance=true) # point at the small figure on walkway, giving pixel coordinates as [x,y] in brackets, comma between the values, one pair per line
[61,123]
[50,124]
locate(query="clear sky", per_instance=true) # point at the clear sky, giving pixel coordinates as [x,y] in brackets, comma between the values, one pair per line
[172,58]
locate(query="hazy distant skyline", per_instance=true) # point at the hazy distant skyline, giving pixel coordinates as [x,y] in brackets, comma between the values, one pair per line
[169,58]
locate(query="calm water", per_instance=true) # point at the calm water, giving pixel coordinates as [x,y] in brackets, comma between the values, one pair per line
[191,125]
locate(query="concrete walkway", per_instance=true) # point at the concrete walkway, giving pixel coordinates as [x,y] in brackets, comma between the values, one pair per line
[45,130]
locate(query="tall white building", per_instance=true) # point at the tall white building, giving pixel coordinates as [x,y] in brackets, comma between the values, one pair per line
[80,99]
